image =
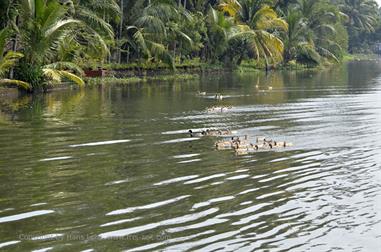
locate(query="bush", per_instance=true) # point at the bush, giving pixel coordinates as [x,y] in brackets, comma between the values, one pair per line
[31,74]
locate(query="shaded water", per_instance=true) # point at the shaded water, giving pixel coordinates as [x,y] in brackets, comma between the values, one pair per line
[108,169]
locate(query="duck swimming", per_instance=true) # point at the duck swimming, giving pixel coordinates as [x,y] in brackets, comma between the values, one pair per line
[282,144]
[225,144]
[241,152]
[246,150]
[218,97]
[225,132]
[201,93]
[209,132]
[243,141]
[197,134]
[242,144]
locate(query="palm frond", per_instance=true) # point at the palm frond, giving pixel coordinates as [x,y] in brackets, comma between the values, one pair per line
[57,75]
[327,54]
[21,84]
[138,38]
[96,22]
[62,65]
[160,52]
[74,78]
[4,35]
[60,25]
[231,7]
[52,74]
[152,24]
[307,54]
[8,61]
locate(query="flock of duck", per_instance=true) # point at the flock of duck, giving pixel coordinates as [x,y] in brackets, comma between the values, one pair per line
[240,144]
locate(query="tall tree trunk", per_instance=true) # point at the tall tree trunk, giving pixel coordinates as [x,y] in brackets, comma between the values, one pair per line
[120,32]
[14,48]
[128,55]
[174,50]
[180,46]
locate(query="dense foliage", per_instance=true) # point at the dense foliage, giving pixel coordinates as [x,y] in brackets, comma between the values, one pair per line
[43,42]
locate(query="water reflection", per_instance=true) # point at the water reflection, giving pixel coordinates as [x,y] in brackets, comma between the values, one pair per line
[111,168]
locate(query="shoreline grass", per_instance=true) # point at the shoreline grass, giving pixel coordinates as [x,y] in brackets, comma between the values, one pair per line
[145,79]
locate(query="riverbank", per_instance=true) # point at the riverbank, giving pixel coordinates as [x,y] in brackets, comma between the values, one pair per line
[123,74]
[144,79]
[359,57]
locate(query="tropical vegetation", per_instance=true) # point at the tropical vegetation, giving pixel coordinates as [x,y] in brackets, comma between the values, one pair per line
[47,42]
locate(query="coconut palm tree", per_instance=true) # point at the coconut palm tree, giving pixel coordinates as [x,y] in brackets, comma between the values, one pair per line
[219,31]
[96,31]
[8,60]
[296,34]
[258,26]
[362,14]
[320,18]
[362,19]
[43,26]
[156,28]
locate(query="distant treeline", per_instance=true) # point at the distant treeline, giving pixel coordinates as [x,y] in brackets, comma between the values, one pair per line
[43,41]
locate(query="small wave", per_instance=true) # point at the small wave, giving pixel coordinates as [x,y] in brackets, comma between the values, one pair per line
[180,140]
[175,180]
[120,222]
[9,243]
[116,182]
[43,249]
[170,241]
[207,203]
[205,178]
[47,237]
[25,215]
[100,143]
[176,220]
[39,204]
[55,158]
[239,177]
[186,155]
[190,161]
[150,206]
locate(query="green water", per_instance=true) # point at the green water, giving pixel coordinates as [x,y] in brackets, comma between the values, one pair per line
[112,169]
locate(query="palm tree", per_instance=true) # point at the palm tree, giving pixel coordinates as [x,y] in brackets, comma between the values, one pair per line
[362,18]
[8,60]
[96,31]
[156,28]
[320,19]
[44,25]
[296,34]
[258,26]
[219,30]
[362,14]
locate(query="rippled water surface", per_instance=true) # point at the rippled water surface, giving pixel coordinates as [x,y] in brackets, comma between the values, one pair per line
[110,169]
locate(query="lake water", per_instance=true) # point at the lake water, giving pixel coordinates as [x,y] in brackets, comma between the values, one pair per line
[110,169]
